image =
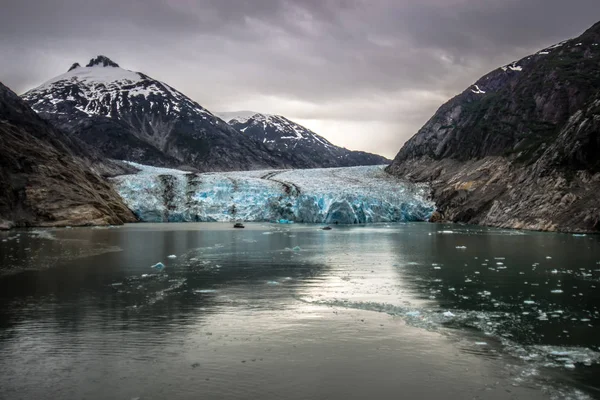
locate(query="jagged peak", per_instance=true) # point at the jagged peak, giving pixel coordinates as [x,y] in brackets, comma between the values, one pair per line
[102,61]
[75,65]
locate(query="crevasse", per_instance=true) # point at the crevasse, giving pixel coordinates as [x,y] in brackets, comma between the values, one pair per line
[353,195]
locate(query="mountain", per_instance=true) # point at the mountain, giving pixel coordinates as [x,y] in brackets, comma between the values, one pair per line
[127,115]
[293,141]
[519,148]
[46,177]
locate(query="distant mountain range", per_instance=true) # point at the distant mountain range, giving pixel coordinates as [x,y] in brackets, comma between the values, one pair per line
[127,115]
[520,148]
[293,141]
[130,116]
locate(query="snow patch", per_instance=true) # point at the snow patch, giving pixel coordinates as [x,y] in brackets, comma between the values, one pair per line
[477,90]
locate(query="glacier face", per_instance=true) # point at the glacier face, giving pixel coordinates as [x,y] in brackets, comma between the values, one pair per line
[350,195]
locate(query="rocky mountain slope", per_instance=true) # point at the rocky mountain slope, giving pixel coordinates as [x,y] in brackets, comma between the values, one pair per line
[520,147]
[303,147]
[45,176]
[129,116]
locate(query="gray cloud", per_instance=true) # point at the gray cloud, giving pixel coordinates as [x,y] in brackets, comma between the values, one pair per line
[364,73]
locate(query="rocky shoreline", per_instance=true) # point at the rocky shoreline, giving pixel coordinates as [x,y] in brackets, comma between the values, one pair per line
[494,192]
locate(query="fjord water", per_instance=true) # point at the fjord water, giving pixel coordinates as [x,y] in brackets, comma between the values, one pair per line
[291,311]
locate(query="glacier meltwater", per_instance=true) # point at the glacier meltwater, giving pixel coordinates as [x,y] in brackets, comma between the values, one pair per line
[353,195]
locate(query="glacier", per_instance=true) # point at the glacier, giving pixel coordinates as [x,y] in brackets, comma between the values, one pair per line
[350,195]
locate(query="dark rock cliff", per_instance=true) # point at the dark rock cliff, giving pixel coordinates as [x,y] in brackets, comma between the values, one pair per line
[521,147]
[47,177]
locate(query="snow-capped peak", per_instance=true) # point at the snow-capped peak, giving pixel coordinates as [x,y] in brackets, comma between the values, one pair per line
[103,88]
[272,129]
[102,61]
[99,70]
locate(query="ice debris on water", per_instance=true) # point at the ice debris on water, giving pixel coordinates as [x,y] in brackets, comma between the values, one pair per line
[172,256]
[556,291]
[449,314]
[461,247]
[297,248]
[159,266]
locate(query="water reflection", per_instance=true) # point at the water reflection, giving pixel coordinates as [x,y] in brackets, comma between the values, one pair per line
[85,303]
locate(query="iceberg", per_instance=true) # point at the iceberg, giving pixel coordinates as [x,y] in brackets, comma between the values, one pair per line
[159,266]
[352,195]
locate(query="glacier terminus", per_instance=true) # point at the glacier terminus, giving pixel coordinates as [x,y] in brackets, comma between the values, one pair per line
[351,195]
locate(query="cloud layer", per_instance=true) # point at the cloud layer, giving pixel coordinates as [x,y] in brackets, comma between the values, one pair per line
[364,73]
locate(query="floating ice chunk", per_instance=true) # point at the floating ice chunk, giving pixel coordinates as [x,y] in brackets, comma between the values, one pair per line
[159,266]
[554,271]
[481,343]
[413,313]
[529,302]
[449,314]
[297,248]
[272,283]
[556,291]
[548,258]
[172,256]
[579,235]
[461,247]
[570,365]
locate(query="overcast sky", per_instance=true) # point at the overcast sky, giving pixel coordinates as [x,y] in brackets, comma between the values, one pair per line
[366,74]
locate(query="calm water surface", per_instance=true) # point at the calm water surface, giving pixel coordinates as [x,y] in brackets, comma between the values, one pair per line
[293,312]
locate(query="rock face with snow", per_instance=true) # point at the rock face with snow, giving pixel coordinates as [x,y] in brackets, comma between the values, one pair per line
[46,177]
[520,148]
[128,115]
[293,141]
[332,195]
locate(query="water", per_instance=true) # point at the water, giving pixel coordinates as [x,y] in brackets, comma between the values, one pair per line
[384,311]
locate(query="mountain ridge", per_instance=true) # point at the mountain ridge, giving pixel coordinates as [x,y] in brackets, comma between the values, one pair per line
[128,115]
[518,148]
[304,147]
